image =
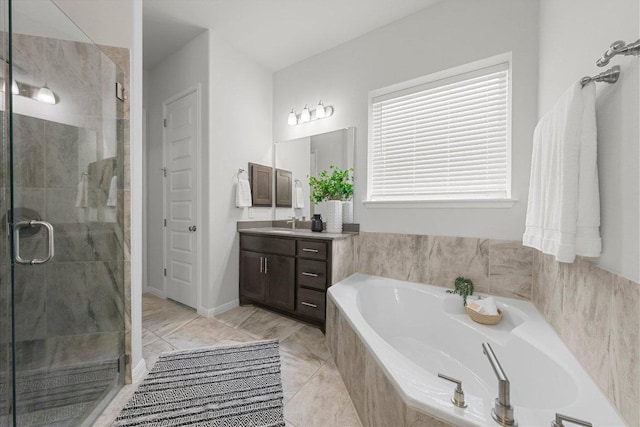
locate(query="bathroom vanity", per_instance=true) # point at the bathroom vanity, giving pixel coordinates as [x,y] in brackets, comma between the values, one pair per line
[289,271]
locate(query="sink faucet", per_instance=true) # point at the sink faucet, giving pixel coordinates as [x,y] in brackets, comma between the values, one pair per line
[502,411]
[292,221]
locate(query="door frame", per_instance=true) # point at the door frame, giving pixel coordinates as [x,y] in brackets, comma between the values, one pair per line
[198,142]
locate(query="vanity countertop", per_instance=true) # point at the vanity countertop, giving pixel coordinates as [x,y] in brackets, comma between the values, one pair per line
[288,232]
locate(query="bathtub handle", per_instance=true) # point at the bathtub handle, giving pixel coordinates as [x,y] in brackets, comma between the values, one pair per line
[558,422]
[304,273]
[458,394]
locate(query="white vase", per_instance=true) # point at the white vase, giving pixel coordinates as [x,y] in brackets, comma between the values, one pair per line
[347,212]
[334,216]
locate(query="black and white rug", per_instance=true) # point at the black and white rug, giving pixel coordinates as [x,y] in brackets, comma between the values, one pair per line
[217,386]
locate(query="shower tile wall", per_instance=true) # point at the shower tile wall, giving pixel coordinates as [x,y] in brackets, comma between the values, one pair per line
[84,285]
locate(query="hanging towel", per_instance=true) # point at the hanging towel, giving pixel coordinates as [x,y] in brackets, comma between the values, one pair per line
[299,203]
[113,192]
[243,191]
[82,198]
[563,214]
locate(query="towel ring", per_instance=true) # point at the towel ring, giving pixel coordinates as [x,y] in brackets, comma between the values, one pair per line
[298,183]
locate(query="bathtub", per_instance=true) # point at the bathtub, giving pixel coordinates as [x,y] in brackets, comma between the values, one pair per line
[415,331]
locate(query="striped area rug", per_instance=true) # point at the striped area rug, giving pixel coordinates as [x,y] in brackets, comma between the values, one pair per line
[218,386]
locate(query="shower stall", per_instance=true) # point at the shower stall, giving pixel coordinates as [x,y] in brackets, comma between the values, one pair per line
[63,126]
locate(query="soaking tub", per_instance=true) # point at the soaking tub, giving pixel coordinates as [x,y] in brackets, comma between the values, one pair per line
[415,331]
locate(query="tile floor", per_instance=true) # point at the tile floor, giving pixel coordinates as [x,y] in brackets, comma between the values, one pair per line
[314,393]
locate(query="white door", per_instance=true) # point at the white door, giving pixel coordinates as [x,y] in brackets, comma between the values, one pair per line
[180,151]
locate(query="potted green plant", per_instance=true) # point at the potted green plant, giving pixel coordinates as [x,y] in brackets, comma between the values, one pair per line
[462,287]
[334,187]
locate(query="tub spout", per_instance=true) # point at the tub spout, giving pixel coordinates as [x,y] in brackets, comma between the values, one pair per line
[502,411]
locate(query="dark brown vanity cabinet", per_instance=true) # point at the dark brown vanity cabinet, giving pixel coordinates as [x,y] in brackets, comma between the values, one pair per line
[267,278]
[289,274]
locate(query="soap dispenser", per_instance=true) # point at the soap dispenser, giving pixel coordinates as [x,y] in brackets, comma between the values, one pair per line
[316,223]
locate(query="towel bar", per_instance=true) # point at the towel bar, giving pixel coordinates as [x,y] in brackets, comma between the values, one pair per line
[610,76]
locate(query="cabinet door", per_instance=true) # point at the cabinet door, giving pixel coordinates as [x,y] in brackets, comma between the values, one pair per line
[281,281]
[252,278]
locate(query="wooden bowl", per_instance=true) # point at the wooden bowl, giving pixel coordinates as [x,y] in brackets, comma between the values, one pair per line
[485,319]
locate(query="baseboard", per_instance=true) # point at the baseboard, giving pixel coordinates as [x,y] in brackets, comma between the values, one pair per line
[210,312]
[156,292]
[139,371]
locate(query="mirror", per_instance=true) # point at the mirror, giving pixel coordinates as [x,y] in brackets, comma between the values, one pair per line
[306,157]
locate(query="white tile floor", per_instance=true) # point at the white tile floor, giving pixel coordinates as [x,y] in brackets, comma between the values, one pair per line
[314,393]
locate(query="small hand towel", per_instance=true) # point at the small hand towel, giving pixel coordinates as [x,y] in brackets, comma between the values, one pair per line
[243,191]
[113,192]
[82,198]
[484,306]
[299,203]
[563,213]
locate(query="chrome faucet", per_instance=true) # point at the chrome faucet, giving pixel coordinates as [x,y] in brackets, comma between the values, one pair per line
[292,221]
[558,422]
[502,411]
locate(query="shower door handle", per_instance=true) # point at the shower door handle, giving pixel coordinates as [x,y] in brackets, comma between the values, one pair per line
[16,241]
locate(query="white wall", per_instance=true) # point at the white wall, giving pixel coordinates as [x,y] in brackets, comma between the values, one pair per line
[106,22]
[573,34]
[241,131]
[443,36]
[184,69]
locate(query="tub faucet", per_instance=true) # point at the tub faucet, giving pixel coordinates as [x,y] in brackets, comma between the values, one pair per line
[502,411]
[558,422]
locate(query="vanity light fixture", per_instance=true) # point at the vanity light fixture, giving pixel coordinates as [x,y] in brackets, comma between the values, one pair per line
[45,95]
[305,116]
[321,112]
[41,94]
[293,118]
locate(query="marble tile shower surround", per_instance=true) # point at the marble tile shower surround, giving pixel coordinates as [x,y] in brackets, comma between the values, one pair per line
[597,315]
[87,283]
[498,267]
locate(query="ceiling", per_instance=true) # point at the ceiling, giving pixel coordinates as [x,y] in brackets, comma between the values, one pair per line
[275,33]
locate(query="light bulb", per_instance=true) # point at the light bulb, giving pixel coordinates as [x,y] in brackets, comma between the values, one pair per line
[293,120]
[14,88]
[320,113]
[45,95]
[306,115]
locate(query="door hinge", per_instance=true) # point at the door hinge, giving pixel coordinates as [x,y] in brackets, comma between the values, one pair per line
[165,272]
[164,122]
[165,222]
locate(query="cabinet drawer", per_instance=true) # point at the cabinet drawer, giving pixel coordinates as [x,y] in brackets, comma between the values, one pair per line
[273,245]
[312,274]
[311,303]
[312,249]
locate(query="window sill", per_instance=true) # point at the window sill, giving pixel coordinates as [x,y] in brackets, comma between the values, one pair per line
[429,204]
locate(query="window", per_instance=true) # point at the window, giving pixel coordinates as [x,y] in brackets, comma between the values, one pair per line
[444,137]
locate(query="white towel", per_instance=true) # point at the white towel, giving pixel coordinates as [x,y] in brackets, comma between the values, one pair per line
[82,198]
[299,203]
[113,192]
[484,306]
[243,192]
[563,214]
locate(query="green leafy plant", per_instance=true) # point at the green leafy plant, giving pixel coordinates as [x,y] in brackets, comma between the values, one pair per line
[336,184]
[462,287]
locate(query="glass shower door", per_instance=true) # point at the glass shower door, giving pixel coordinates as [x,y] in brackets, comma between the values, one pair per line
[65,219]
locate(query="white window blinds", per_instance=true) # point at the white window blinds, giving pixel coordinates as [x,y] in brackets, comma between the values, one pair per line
[446,139]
